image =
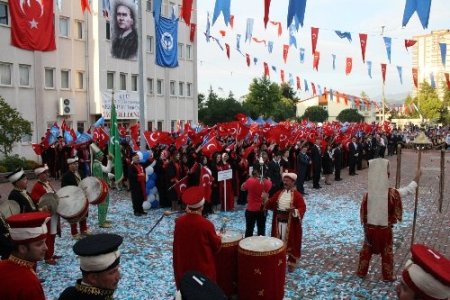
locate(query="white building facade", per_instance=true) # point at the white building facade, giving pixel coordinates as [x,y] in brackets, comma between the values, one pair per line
[75,82]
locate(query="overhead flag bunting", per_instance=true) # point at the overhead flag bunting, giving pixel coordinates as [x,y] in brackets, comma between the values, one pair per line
[305,83]
[331,95]
[344,35]
[363,42]
[443,47]
[222,6]
[280,28]
[208,28]
[270,46]
[186,10]
[313,87]
[414,75]
[256,40]
[334,61]
[218,43]
[292,39]
[388,43]
[227,47]
[348,65]
[266,70]
[32,26]
[106,8]
[232,21]
[422,7]
[282,75]
[432,82]
[167,42]
[316,60]
[400,75]
[383,72]
[266,12]
[291,79]
[302,55]
[192,32]
[249,30]
[255,60]
[314,37]
[447,80]
[409,43]
[274,69]
[369,68]
[299,87]
[222,33]
[238,42]
[285,52]
[247,59]
[296,10]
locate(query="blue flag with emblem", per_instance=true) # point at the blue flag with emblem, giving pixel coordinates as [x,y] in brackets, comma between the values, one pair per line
[167,42]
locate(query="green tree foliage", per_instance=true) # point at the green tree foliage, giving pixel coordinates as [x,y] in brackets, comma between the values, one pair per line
[444,115]
[350,115]
[315,114]
[216,110]
[201,101]
[428,102]
[412,112]
[12,127]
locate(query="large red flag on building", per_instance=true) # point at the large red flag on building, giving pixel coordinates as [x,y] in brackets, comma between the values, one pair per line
[192,32]
[186,10]
[85,6]
[363,42]
[32,25]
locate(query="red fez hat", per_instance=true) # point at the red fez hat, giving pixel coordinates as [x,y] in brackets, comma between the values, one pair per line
[28,227]
[193,197]
[428,273]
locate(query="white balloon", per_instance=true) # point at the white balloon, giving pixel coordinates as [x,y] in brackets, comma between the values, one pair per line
[157,196]
[149,170]
[150,198]
[154,190]
[146,205]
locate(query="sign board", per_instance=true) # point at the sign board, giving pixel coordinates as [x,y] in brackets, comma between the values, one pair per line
[127,105]
[224,175]
[250,170]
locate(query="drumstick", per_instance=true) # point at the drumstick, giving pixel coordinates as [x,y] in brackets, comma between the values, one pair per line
[165,214]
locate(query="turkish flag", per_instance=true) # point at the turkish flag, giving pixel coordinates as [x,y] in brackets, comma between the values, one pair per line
[228,50]
[314,37]
[181,186]
[316,60]
[64,126]
[242,132]
[73,134]
[37,148]
[181,140]
[363,42]
[100,137]
[242,118]
[414,74]
[134,131]
[152,138]
[383,72]
[282,75]
[211,147]
[206,180]
[85,6]
[285,52]
[348,65]
[266,70]
[122,130]
[32,26]
[409,43]
[299,87]
[186,10]
[192,32]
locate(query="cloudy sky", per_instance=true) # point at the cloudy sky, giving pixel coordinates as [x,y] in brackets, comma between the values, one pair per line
[354,16]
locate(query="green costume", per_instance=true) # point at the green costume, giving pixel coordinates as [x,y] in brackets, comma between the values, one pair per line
[101,172]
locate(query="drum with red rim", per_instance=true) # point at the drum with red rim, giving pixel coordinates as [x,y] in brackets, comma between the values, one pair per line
[261,268]
[73,205]
[226,262]
[95,189]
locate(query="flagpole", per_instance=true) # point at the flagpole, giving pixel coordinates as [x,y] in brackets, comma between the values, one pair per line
[142,140]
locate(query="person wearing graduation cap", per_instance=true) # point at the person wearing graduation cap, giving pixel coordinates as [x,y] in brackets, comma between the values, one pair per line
[100,171]
[196,286]
[195,241]
[18,279]
[426,275]
[99,264]
[20,193]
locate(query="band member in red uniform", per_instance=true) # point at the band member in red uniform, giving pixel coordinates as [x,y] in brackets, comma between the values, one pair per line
[222,166]
[41,187]
[18,280]
[195,241]
[288,208]
[378,214]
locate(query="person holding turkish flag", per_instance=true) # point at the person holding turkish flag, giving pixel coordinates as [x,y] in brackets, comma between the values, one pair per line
[32,25]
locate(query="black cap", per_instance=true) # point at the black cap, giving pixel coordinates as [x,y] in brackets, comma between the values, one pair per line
[196,286]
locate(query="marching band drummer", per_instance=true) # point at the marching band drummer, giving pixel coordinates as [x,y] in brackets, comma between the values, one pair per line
[288,208]
[41,187]
[20,194]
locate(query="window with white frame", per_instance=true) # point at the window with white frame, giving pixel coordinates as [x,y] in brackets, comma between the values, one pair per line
[49,78]
[150,89]
[181,88]
[134,82]
[64,27]
[188,52]
[160,125]
[150,44]
[65,79]
[27,138]
[160,87]
[108,30]
[110,80]
[172,88]
[79,29]
[5,73]
[189,89]
[148,5]
[180,50]
[123,81]
[4,13]
[172,125]
[80,80]
[24,75]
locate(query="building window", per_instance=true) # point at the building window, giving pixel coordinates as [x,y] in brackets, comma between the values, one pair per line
[189,52]
[148,5]
[49,78]
[5,73]
[160,125]
[150,43]
[134,83]
[64,27]
[4,13]
[150,86]
[180,50]
[181,88]
[172,125]
[189,89]
[27,138]
[80,126]
[24,73]
[150,125]
[65,79]
[160,87]
[110,80]
[80,80]
[123,81]
[172,88]
[108,31]
[79,29]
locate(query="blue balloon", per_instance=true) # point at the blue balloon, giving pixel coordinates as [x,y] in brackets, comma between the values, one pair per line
[155,204]
[150,184]
[152,177]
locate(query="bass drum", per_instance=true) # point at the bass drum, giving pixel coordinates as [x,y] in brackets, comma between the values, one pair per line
[9,208]
[73,205]
[49,200]
[95,189]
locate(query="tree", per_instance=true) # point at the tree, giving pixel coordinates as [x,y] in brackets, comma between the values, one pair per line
[263,97]
[315,114]
[350,115]
[217,110]
[409,101]
[201,101]
[12,127]
[444,115]
[428,102]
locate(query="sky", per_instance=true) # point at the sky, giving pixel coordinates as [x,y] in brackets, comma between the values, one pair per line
[355,16]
